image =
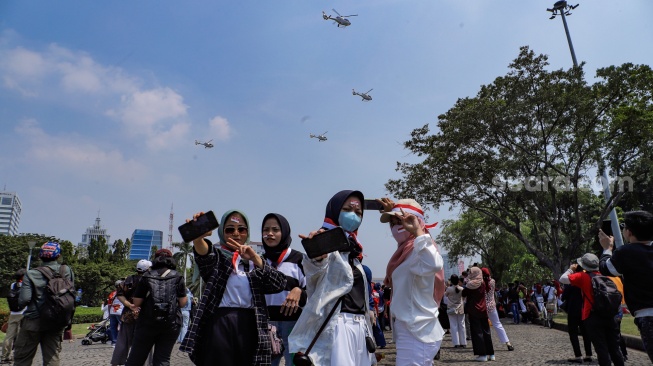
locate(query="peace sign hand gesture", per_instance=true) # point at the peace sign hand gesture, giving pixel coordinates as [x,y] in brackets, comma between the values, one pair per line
[411,223]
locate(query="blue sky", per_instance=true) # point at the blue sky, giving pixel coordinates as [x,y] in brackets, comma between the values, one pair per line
[100,102]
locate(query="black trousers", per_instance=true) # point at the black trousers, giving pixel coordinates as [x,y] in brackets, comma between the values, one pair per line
[231,338]
[481,337]
[145,336]
[605,337]
[574,324]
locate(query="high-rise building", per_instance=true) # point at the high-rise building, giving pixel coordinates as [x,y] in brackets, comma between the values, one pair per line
[143,241]
[93,232]
[10,209]
[449,269]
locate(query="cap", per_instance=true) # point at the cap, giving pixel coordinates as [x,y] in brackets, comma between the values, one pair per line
[50,250]
[163,253]
[143,265]
[407,205]
[589,262]
[119,282]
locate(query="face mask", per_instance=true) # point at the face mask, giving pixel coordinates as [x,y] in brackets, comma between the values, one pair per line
[349,221]
[399,233]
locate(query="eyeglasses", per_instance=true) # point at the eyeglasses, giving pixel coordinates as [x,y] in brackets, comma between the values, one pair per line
[231,230]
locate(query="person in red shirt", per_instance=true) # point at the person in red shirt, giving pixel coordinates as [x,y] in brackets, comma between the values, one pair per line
[603,331]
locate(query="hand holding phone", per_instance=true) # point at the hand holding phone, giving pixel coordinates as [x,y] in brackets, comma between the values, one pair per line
[326,242]
[199,226]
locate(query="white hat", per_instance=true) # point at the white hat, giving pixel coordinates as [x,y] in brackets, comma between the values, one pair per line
[143,265]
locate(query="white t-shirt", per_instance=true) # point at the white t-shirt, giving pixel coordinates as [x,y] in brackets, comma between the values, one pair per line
[116,307]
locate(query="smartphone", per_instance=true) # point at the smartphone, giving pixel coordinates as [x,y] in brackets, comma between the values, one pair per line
[326,242]
[372,205]
[607,227]
[196,228]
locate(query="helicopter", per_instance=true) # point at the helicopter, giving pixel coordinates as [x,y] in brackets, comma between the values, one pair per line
[320,137]
[207,145]
[341,20]
[366,97]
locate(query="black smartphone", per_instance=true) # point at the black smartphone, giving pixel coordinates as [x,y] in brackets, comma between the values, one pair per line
[372,205]
[196,228]
[607,227]
[326,242]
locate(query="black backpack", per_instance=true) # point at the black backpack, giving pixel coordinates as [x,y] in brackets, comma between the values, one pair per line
[59,307]
[161,302]
[607,298]
[12,297]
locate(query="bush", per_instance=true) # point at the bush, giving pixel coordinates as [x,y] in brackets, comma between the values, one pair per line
[82,314]
[87,315]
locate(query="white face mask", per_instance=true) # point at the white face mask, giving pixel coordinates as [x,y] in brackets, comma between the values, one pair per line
[399,233]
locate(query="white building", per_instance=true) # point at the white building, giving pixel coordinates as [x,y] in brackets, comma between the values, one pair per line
[94,232]
[10,209]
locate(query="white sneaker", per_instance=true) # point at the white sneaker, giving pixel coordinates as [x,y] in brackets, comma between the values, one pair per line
[491,358]
[481,358]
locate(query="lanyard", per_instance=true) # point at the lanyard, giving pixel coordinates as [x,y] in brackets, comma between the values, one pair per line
[281,257]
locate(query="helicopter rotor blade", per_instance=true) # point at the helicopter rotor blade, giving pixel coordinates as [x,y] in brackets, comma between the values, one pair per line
[369,91]
[353,15]
[336,12]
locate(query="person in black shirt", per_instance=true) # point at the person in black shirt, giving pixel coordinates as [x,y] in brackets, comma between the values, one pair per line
[159,297]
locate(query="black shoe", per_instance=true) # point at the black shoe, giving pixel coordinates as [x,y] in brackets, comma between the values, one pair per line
[574,360]
[511,348]
[588,359]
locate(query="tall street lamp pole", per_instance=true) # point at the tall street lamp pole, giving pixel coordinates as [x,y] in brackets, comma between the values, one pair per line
[31,245]
[563,9]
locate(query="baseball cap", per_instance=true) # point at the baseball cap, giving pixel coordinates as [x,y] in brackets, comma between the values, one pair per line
[50,250]
[163,253]
[408,205]
[143,265]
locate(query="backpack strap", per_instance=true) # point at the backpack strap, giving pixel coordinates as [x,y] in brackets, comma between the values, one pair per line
[49,273]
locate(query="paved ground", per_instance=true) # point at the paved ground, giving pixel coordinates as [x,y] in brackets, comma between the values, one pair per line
[534,345]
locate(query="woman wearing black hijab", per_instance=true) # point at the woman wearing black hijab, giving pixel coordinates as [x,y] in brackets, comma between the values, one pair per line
[333,276]
[284,308]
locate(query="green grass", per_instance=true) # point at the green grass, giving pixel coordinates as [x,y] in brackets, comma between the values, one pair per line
[627,323]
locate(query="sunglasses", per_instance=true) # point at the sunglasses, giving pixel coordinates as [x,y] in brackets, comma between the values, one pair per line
[231,230]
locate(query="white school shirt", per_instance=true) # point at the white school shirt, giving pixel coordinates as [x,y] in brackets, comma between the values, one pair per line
[238,292]
[412,291]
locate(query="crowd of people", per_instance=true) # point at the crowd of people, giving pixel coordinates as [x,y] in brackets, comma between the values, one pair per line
[326,310]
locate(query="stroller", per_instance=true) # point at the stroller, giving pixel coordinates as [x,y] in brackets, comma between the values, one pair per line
[97,333]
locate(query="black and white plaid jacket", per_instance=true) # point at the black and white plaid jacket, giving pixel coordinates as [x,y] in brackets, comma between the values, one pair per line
[215,268]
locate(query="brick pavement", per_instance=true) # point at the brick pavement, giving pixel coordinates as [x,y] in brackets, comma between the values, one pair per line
[534,345]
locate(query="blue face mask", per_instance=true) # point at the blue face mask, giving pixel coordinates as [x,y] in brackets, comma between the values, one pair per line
[349,221]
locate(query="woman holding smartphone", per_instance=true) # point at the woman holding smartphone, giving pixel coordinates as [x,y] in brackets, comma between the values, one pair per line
[230,325]
[336,280]
[284,308]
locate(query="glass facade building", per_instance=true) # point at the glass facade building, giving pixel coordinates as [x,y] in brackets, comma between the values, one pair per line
[143,241]
[10,209]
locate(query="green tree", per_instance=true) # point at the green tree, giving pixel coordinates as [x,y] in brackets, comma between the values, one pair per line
[183,257]
[473,234]
[98,250]
[523,151]
[153,251]
[120,251]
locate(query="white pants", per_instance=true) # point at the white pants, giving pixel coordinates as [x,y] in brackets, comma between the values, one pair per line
[457,329]
[349,347]
[410,350]
[496,323]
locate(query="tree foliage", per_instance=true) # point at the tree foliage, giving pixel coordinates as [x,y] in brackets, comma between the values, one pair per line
[473,234]
[522,153]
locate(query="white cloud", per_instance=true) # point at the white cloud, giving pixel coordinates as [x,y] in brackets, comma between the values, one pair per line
[76,156]
[74,79]
[220,128]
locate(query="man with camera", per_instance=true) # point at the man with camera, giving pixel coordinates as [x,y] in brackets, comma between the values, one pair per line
[634,262]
